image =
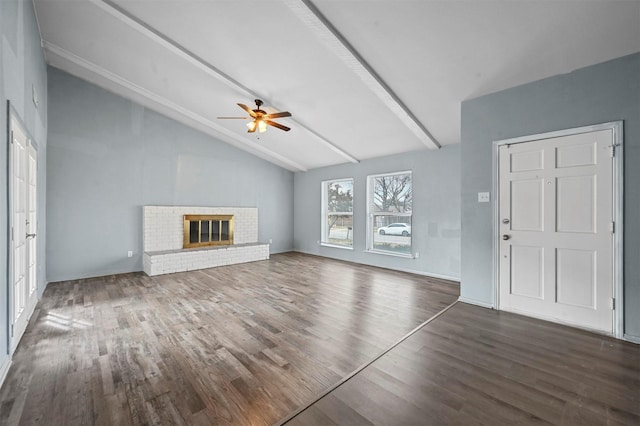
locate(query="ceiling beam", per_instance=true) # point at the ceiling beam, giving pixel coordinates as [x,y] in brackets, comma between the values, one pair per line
[225,134]
[171,45]
[316,22]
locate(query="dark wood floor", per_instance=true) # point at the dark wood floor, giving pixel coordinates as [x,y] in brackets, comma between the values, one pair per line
[242,344]
[477,366]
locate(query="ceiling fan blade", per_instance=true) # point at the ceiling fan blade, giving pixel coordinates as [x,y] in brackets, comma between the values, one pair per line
[279,114]
[249,110]
[278,125]
[232,118]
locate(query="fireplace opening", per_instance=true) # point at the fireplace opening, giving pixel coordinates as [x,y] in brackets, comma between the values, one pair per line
[207,230]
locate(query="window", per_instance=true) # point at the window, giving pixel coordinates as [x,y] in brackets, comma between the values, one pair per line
[389,201]
[337,213]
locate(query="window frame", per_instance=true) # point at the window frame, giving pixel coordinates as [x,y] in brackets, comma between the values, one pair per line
[370,248]
[324,209]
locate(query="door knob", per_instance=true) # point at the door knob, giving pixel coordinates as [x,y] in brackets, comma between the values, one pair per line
[506,237]
[31,235]
[505,221]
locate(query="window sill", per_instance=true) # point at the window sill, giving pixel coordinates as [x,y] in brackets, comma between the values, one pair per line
[388,253]
[336,246]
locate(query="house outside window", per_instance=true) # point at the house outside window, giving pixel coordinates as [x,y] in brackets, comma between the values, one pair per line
[389,205]
[337,213]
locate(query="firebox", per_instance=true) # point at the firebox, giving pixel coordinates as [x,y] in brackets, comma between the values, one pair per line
[207,230]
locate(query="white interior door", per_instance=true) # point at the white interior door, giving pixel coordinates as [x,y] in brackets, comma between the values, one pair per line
[556,229]
[23,173]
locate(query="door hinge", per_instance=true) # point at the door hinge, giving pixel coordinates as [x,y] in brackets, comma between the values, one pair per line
[613,303]
[612,150]
[612,227]
[12,233]
[11,330]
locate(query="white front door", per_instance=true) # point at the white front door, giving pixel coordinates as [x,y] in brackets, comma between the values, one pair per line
[23,173]
[556,229]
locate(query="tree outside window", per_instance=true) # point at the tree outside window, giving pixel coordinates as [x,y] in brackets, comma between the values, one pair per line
[390,203]
[337,215]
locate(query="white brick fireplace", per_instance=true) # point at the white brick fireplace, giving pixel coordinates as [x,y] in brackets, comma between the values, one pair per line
[163,231]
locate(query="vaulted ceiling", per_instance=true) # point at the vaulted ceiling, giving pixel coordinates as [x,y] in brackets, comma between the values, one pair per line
[362,79]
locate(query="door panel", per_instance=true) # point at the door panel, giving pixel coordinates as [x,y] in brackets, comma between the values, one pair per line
[526,161]
[527,270]
[576,204]
[576,273]
[526,204]
[576,155]
[556,244]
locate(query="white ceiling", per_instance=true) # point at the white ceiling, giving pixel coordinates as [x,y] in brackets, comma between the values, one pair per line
[362,79]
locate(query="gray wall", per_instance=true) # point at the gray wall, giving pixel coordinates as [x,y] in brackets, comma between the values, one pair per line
[436,211]
[21,65]
[601,93]
[108,157]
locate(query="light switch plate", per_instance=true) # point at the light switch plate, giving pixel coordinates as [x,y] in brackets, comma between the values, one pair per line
[484,197]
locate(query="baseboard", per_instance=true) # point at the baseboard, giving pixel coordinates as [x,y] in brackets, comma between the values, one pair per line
[4,369]
[632,339]
[408,271]
[428,274]
[476,302]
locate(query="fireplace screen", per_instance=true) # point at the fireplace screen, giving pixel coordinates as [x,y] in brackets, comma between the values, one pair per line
[207,230]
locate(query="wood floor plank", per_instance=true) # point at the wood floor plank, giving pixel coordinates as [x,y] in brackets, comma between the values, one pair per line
[240,344]
[338,412]
[477,366]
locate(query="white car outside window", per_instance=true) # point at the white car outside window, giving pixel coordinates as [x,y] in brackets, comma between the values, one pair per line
[395,229]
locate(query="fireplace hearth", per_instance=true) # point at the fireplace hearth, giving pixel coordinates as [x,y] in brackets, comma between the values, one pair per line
[188,238]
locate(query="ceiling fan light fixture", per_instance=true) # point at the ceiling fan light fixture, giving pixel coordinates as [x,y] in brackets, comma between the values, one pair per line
[262,119]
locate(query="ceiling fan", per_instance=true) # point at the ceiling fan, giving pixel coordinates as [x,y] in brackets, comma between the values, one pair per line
[261,118]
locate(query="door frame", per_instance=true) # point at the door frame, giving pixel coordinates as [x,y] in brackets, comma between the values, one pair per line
[617,129]
[12,114]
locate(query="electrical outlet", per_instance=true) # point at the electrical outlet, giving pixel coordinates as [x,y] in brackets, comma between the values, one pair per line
[129,253]
[484,197]
[270,240]
[416,256]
